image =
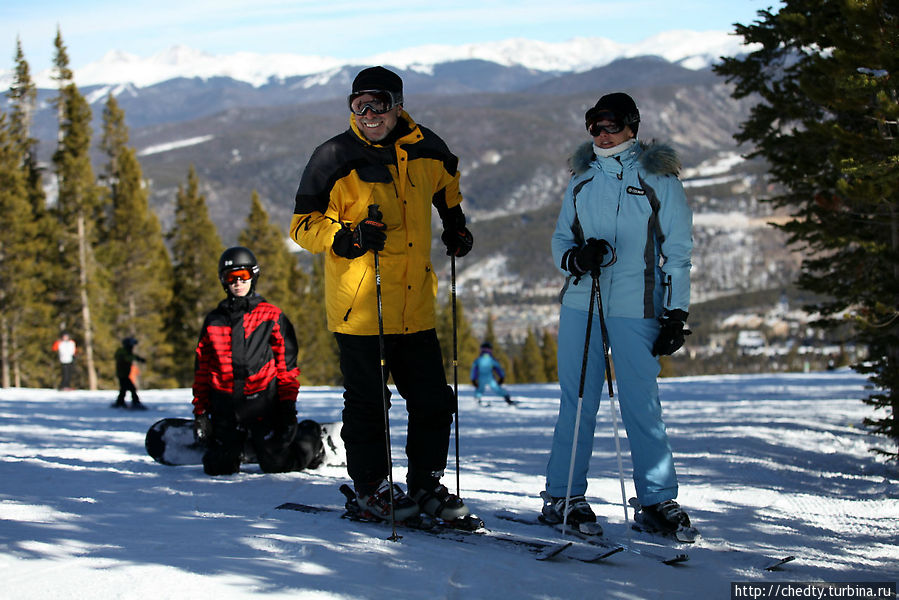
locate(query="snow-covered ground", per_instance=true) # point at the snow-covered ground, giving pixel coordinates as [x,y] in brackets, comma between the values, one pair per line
[769,466]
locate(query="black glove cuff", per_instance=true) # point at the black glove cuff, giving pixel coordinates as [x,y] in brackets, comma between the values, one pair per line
[675,315]
[452,218]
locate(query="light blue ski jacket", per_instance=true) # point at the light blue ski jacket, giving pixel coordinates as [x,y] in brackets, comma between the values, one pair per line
[486,368]
[635,201]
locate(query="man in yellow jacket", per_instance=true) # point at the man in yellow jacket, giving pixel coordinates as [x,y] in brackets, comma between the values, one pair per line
[386,159]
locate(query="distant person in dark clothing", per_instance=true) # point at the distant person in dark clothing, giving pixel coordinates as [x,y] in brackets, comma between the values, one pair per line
[124,363]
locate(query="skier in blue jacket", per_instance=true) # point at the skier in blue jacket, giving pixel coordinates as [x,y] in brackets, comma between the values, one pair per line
[486,372]
[624,221]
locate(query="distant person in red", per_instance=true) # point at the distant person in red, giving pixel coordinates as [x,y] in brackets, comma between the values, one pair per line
[66,350]
[246,379]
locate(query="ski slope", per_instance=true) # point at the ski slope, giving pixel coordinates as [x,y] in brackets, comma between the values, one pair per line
[769,466]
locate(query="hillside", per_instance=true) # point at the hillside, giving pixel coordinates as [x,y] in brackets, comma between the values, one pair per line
[512,128]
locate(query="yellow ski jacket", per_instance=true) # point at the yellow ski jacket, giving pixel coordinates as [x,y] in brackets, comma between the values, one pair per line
[344,176]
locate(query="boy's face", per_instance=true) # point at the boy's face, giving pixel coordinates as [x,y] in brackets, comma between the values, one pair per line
[240,287]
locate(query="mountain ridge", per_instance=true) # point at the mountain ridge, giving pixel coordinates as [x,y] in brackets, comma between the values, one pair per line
[692,49]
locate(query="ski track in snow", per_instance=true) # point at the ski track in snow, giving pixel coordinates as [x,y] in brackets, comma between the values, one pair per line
[769,466]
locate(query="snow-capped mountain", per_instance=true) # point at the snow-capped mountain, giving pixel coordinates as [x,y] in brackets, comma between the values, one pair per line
[690,49]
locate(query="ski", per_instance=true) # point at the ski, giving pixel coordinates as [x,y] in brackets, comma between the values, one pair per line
[596,540]
[462,532]
[775,566]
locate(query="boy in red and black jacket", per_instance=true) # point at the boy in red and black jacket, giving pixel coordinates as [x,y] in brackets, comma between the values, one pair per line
[246,379]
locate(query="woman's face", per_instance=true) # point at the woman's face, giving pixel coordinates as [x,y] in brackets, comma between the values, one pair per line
[604,139]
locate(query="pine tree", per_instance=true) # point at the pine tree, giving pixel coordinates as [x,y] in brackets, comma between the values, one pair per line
[549,351]
[466,343]
[532,369]
[282,282]
[30,328]
[134,253]
[196,248]
[13,244]
[499,352]
[825,75]
[77,207]
[322,363]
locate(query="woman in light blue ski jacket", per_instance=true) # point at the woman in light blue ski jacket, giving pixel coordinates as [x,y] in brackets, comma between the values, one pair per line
[624,220]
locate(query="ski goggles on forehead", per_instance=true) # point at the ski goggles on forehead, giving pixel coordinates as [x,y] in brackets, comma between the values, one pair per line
[238,275]
[379,102]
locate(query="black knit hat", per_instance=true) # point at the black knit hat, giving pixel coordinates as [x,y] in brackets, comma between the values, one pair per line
[619,104]
[381,80]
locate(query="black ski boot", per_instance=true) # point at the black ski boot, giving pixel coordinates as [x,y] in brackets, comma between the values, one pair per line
[580,515]
[667,516]
[439,502]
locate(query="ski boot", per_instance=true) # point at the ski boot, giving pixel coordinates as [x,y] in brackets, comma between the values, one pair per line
[580,515]
[377,503]
[666,518]
[440,503]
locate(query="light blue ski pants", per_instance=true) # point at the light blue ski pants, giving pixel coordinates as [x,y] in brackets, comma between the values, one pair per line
[490,384]
[637,392]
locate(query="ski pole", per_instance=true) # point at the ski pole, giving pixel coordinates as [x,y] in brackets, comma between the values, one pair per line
[608,364]
[373,213]
[455,365]
[580,403]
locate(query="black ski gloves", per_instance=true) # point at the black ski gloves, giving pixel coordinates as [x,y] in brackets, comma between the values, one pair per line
[587,258]
[369,234]
[672,333]
[456,236]
[458,242]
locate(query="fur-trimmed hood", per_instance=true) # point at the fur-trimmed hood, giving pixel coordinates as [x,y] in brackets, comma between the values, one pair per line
[657,158]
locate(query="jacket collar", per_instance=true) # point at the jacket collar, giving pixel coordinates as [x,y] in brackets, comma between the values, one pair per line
[412,136]
[656,158]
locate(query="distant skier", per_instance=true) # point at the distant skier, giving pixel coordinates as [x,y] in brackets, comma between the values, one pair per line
[124,364]
[487,373]
[246,379]
[66,350]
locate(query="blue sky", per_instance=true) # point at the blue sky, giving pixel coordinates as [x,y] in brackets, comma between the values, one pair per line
[340,29]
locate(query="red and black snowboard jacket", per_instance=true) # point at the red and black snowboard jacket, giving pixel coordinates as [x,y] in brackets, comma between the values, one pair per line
[246,362]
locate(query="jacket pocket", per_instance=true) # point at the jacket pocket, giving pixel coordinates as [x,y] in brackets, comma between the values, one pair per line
[354,295]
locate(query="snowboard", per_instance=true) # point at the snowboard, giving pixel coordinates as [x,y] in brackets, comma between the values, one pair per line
[174,441]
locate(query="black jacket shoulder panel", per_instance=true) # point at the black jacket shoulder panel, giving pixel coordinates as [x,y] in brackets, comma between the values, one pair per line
[334,160]
[432,146]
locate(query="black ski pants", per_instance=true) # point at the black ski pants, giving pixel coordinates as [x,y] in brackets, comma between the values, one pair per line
[126,385]
[416,364]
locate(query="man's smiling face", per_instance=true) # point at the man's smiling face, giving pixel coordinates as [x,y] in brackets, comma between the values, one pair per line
[373,126]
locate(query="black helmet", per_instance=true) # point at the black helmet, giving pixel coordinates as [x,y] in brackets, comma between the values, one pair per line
[236,258]
[129,342]
[622,107]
